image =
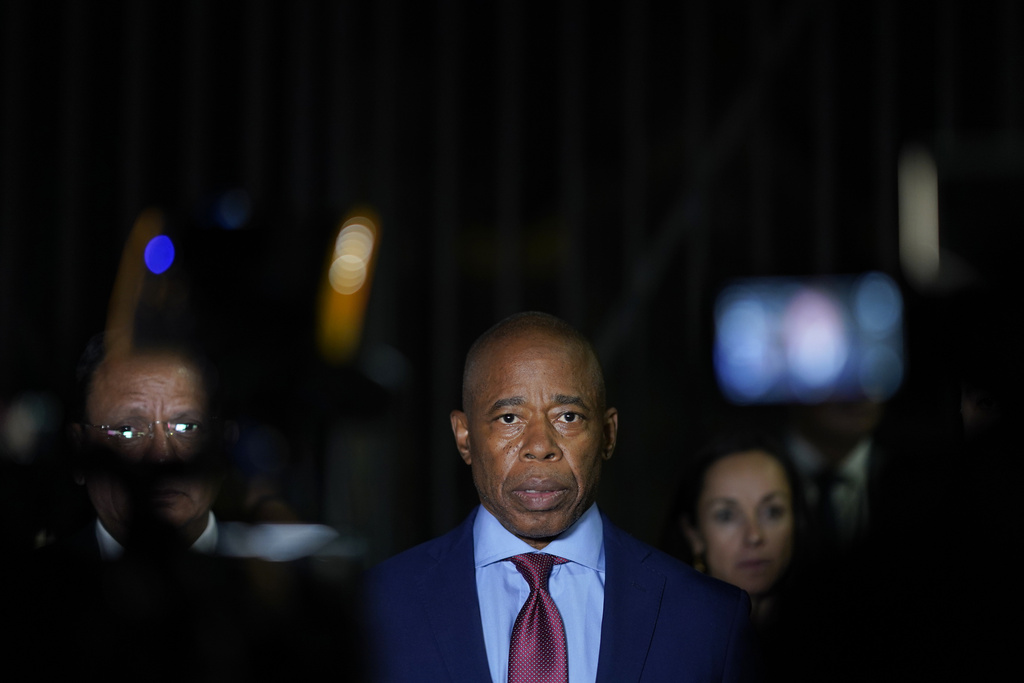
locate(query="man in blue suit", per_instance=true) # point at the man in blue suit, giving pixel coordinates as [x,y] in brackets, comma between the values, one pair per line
[535,431]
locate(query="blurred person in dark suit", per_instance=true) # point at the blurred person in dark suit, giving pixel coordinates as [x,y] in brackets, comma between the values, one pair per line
[833,446]
[535,431]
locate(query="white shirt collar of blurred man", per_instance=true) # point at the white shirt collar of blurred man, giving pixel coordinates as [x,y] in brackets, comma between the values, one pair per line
[110,549]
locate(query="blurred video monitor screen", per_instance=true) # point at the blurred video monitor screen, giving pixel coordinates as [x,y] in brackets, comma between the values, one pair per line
[809,340]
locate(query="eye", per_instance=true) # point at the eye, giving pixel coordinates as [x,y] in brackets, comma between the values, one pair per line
[776,512]
[722,515]
[571,417]
[183,427]
[126,432]
[507,418]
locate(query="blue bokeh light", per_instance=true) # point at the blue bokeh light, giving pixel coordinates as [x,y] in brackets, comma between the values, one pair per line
[878,304]
[744,356]
[232,209]
[159,254]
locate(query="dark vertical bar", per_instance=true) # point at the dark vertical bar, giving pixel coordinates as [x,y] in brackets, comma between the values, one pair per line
[947,57]
[381,324]
[342,101]
[760,150]
[299,177]
[635,215]
[14,27]
[886,241]
[571,276]
[255,102]
[72,169]
[634,135]
[133,112]
[445,368]
[346,472]
[509,283]
[1012,62]
[823,216]
[384,159]
[697,31]
[195,103]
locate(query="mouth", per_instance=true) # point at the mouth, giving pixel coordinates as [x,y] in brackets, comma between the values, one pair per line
[756,565]
[540,494]
[165,495]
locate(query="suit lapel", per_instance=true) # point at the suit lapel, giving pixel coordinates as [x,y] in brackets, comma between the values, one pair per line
[632,599]
[453,611]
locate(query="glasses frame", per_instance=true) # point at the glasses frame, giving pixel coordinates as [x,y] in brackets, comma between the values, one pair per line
[117,435]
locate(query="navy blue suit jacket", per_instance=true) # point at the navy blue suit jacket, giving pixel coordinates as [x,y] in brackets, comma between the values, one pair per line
[663,621]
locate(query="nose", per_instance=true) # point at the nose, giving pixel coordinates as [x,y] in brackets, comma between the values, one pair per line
[159,448]
[754,533]
[539,442]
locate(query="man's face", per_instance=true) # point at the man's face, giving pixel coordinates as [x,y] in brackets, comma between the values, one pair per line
[535,434]
[136,391]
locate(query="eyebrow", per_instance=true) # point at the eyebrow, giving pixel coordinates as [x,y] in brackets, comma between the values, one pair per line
[775,494]
[508,402]
[764,499]
[560,399]
[567,399]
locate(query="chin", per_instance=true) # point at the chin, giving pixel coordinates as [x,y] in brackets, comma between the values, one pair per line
[178,516]
[758,589]
[546,531]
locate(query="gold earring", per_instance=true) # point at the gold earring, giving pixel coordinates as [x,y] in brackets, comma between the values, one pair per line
[698,564]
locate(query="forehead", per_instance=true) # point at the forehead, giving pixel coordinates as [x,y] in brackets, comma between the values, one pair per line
[162,377]
[531,362]
[753,472]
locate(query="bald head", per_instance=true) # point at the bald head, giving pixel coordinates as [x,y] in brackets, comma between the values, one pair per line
[520,326]
[535,429]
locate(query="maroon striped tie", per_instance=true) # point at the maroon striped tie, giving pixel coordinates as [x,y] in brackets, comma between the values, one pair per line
[537,653]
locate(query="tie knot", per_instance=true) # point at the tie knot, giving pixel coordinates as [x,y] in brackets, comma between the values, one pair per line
[827,479]
[536,568]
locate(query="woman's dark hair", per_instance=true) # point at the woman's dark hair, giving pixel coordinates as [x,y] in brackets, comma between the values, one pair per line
[691,485]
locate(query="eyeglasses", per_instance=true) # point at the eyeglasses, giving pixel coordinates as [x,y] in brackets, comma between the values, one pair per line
[185,434]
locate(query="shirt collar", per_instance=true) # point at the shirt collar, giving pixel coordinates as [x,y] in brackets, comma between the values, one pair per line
[207,541]
[808,460]
[110,549]
[582,543]
[854,468]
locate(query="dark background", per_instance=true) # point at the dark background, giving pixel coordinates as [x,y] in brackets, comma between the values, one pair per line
[611,163]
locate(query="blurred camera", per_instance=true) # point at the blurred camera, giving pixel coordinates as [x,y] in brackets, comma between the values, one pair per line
[809,340]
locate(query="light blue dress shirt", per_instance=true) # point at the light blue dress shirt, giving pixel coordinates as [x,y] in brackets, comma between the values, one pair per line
[577,587]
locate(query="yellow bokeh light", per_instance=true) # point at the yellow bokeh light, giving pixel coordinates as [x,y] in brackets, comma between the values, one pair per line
[352,251]
[347,274]
[345,288]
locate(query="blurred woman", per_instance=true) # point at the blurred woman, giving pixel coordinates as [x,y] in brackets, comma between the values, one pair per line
[740,516]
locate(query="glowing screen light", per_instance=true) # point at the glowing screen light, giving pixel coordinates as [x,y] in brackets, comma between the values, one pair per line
[815,340]
[877,304]
[809,340]
[159,254]
[744,352]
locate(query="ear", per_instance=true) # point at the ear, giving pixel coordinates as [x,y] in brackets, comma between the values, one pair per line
[697,543]
[76,436]
[460,428]
[611,432]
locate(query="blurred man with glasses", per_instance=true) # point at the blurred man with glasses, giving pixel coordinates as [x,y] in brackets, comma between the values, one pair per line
[148,452]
